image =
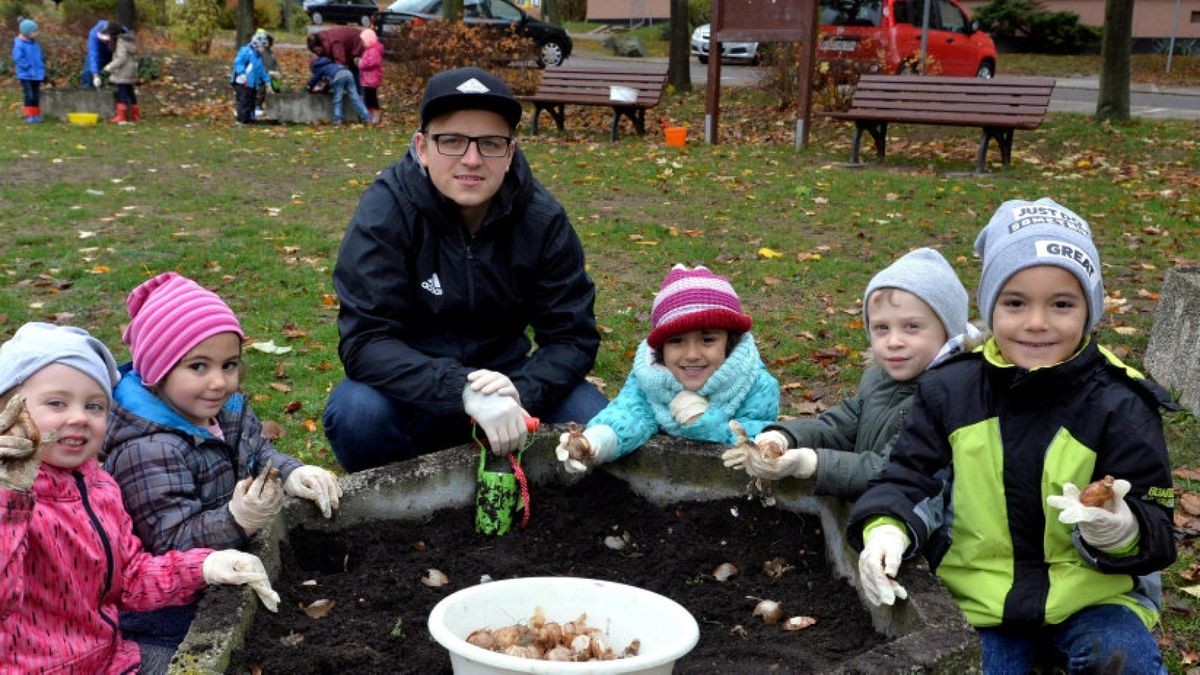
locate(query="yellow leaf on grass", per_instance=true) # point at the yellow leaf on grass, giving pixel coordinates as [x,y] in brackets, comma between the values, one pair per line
[769,253]
[1127,330]
[1193,591]
[100,269]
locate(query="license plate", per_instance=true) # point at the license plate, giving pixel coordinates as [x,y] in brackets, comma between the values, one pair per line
[839,45]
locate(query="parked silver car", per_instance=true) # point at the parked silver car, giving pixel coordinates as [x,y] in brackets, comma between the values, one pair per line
[743,52]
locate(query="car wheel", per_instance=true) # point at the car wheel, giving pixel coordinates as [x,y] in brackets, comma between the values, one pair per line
[703,59]
[552,53]
[317,18]
[365,21]
[987,70]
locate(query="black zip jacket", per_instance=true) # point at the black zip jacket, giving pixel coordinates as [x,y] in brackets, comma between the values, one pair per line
[423,303]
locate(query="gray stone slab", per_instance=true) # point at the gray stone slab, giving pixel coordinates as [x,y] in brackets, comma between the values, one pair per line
[57,102]
[302,107]
[1173,355]
[928,632]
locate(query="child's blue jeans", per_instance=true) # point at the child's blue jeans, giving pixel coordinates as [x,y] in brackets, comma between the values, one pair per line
[29,88]
[367,428]
[1099,639]
[344,85]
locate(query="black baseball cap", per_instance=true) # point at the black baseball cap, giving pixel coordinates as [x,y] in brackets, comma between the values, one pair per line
[468,89]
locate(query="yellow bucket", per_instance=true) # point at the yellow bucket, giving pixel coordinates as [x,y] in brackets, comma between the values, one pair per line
[83,118]
[676,136]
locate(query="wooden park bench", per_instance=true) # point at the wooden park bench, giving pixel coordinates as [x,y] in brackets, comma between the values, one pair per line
[628,90]
[999,105]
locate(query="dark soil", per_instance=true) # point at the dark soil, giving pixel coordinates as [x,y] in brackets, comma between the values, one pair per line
[373,572]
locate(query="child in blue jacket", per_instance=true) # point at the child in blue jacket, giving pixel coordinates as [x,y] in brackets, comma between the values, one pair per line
[248,73]
[327,74]
[698,369]
[30,67]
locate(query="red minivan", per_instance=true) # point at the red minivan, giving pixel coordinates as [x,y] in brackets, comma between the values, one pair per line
[884,36]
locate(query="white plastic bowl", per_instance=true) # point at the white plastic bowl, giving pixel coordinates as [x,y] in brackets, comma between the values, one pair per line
[666,630]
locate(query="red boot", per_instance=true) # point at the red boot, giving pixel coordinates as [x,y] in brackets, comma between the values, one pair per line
[135,112]
[121,116]
[28,112]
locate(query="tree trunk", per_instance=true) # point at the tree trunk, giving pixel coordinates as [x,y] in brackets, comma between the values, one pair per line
[1113,99]
[452,10]
[550,13]
[126,13]
[679,73]
[245,22]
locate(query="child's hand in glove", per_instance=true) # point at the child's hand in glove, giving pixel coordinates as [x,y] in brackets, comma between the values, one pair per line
[256,501]
[687,407]
[237,568]
[315,484]
[19,459]
[1108,527]
[580,451]
[879,562]
[798,462]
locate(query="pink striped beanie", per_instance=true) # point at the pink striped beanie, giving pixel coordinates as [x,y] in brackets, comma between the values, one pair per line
[168,316]
[694,299]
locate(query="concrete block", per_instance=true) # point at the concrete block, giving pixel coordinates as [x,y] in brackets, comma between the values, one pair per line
[927,633]
[57,102]
[302,107]
[1173,355]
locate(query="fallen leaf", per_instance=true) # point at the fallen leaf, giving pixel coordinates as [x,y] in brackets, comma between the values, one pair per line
[769,253]
[292,407]
[272,431]
[1190,502]
[269,347]
[280,386]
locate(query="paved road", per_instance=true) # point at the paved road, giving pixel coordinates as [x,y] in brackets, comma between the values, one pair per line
[1076,95]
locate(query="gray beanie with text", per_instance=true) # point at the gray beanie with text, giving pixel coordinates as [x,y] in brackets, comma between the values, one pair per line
[1023,234]
[927,275]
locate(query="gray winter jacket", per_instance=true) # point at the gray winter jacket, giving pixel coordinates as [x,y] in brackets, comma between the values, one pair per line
[853,439]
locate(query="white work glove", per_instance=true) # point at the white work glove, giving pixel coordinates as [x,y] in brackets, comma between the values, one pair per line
[491,382]
[601,441]
[798,462]
[315,484]
[1107,530]
[767,441]
[879,562]
[236,568]
[240,79]
[256,501]
[688,406]
[19,460]
[501,418]
[96,81]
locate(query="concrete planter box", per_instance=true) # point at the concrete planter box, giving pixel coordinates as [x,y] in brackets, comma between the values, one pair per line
[58,102]
[1173,355]
[303,107]
[928,633]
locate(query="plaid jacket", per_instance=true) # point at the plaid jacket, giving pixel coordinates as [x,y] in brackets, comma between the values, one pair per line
[175,477]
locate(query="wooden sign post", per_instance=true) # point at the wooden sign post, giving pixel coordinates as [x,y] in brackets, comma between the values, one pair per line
[761,21]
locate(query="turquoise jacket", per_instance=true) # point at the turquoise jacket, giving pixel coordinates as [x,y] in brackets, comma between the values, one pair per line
[740,389]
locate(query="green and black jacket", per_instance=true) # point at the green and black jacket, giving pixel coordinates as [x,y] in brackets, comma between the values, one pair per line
[983,446]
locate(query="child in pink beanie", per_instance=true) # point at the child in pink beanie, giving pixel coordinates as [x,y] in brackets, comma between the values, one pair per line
[183,443]
[698,369]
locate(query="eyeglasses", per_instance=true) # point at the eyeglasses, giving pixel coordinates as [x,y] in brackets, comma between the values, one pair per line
[455,145]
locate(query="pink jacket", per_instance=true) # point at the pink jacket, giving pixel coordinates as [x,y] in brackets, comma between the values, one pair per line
[370,65]
[68,561]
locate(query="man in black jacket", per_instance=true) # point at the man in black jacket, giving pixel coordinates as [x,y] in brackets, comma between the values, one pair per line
[451,256]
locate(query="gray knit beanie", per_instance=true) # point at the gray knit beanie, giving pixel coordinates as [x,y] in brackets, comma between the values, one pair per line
[36,345]
[927,275]
[1024,234]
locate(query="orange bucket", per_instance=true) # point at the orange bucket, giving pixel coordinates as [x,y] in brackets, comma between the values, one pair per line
[676,136]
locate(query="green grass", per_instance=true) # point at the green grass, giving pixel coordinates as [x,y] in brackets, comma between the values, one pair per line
[257,215]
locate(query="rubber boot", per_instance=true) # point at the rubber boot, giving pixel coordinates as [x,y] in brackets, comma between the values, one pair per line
[135,112]
[376,115]
[122,114]
[30,113]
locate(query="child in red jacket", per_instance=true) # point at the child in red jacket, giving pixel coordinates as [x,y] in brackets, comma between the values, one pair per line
[68,557]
